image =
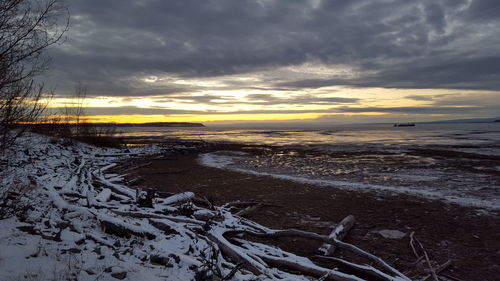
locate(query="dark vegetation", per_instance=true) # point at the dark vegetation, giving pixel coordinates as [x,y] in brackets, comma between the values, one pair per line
[27,29]
[70,125]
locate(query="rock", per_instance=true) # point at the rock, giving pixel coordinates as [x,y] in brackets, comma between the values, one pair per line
[80,241]
[391,233]
[157,259]
[119,275]
[176,258]
[74,250]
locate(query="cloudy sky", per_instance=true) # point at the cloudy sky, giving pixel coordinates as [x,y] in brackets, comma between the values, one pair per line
[336,61]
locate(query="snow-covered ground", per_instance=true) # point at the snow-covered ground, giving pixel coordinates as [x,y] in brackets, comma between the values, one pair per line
[75,220]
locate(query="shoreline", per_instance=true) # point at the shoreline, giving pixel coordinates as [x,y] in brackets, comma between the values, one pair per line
[210,160]
[447,231]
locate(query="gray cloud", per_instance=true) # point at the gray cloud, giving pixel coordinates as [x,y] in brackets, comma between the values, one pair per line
[423,110]
[303,99]
[256,99]
[403,44]
[127,110]
[131,110]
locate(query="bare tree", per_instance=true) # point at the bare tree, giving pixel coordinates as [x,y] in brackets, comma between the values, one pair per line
[71,121]
[27,29]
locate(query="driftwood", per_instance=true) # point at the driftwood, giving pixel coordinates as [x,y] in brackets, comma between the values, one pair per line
[178,198]
[366,270]
[249,210]
[338,233]
[121,229]
[413,239]
[215,226]
[156,216]
[240,204]
[118,189]
[450,277]
[438,269]
[311,270]
[99,240]
[339,244]
[234,255]
[164,227]
[90,199]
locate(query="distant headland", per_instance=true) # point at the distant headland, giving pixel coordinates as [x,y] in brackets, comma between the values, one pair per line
[150,124]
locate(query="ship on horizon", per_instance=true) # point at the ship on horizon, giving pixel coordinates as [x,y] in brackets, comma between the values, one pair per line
[404,124]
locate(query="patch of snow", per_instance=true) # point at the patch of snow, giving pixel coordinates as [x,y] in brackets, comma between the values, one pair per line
[104,195]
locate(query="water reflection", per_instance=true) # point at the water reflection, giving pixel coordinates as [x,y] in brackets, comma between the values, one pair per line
[385,135]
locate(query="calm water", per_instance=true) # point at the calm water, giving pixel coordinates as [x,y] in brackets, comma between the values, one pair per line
[459,163]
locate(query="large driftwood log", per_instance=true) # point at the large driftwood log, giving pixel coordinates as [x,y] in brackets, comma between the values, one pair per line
[178,198]
[366,270]
[157,216]
[311,270]
[338,233]
[339,244]
[121,190]
[121,229]
[237,257]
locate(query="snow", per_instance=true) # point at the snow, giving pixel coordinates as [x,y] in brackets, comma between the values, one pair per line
[104,195]
[73,229]
[64,238]
[178,197]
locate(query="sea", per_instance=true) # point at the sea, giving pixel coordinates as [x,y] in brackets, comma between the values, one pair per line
[458,163]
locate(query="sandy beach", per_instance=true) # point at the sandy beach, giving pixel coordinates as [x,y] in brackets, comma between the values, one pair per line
[468,236]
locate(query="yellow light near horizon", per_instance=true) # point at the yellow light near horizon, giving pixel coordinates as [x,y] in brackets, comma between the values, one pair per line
[225,104]
[136,118]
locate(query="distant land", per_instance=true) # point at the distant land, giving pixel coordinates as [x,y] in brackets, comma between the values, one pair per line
[151,124]
[471,120]
[327,124]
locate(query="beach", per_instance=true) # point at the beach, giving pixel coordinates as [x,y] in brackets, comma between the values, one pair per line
[195,207]
[469,236]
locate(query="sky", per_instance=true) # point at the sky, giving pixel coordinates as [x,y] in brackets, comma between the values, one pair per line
[309,61]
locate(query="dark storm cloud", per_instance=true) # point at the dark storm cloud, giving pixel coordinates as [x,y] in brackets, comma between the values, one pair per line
[408,44]
[485,10]
[474,73]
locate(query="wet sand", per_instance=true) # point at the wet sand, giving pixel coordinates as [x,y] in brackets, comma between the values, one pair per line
[464,235]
